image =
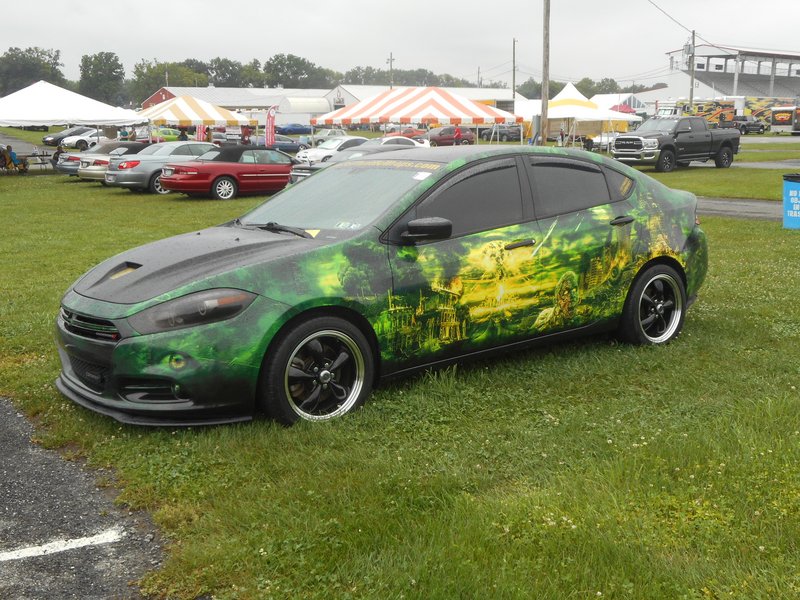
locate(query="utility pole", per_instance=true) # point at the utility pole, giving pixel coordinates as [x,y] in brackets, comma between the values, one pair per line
[479,77]
[390,62]
[545,71]
[691,80]
[513,68]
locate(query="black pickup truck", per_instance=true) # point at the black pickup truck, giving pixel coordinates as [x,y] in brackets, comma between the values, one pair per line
[744,123]
[667,142]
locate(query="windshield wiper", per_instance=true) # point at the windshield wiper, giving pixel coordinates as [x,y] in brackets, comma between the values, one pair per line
[278,228]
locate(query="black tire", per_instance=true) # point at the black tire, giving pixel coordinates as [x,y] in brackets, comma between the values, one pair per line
[666,161]
[655,308]
[743,130]
[155,187]
[302,147]
[503,138]
[434,143]
[724,158]
[224,188]
[81,145]
[318,370]
[464,142]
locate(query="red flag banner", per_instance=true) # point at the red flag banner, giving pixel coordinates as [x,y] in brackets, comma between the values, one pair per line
[269,132]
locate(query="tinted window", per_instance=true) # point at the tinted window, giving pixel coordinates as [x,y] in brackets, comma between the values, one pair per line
[198,149]
[620,186]
[486,197]
[563,186]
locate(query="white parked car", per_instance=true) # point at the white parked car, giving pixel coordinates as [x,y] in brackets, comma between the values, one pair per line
[85,140]
[398,140]
[328,148]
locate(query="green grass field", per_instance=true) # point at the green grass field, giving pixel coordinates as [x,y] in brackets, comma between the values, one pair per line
[581,470]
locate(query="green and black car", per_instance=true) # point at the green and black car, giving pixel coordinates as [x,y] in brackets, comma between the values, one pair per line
[376,267]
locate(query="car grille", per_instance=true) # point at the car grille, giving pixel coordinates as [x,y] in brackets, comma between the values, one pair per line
[628,143]
[89,327]
[92,375]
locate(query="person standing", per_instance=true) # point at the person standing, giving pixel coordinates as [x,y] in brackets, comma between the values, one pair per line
[457,136]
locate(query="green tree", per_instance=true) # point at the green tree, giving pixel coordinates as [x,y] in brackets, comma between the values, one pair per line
[530,88]
[291,71]
[102,77]
[196,66]
[252,75]
[587,87]
[20,68]
[149,77]
[223,72]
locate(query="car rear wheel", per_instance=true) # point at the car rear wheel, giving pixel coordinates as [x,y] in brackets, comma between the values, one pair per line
[724,158]
[743,130]
[655,307]
[320,369]
[81,145]
[503,138]
[224,188]
[302,147]
[464,142]
[434,143]
[155,185]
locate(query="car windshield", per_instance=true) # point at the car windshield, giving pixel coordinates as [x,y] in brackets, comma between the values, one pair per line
[658,125]
[347,196]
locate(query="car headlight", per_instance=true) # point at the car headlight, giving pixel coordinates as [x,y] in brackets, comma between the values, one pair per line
[650,144]
[199,308]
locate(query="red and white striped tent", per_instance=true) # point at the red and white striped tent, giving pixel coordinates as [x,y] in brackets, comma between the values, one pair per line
[417,105]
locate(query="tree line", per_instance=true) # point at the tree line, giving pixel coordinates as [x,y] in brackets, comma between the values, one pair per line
[102,76]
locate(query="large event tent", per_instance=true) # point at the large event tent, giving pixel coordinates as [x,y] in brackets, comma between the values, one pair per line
[43,103]
[417,105]
[186,110]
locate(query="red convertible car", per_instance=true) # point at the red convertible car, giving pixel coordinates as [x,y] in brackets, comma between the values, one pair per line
[223,173]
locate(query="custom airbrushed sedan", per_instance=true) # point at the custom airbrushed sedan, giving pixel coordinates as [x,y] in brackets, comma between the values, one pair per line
[223,173]
[376,267]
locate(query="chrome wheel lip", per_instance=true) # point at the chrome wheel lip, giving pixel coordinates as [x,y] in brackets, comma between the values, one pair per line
[673,319]
[356,385]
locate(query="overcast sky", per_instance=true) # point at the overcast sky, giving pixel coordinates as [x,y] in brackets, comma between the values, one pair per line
[622,39]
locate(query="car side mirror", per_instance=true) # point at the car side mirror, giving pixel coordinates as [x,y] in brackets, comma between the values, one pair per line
[427,228]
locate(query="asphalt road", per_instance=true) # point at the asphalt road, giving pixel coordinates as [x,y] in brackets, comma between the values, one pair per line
[62,537]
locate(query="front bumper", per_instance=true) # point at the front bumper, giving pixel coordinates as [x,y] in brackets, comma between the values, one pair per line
[642,157]
[199,375]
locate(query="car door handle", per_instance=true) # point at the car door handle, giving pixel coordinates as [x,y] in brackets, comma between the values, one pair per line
[520,244]
[623,220]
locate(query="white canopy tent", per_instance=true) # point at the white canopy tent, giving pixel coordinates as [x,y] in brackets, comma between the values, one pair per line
[43,103]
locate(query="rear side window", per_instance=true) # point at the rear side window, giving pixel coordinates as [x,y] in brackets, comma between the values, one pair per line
[486,197]
[563,186]
[620,186]
[185,150]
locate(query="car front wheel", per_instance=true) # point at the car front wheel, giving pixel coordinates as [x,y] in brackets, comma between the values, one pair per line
[655,307]
[320,369]
[666,161]
[224,188]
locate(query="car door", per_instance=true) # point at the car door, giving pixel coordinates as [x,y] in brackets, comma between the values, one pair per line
[587,250]
[261,170]
[471,291]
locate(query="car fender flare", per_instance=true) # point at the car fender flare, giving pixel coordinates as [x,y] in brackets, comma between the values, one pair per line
[309,310]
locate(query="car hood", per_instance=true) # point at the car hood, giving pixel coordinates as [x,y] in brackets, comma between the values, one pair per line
[164,266]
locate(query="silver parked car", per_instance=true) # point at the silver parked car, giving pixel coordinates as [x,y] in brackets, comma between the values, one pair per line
[142,172]
[93,166]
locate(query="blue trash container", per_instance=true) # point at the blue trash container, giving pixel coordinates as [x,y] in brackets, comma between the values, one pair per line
[791,201]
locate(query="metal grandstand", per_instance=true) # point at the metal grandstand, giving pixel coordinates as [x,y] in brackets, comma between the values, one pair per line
[735,71]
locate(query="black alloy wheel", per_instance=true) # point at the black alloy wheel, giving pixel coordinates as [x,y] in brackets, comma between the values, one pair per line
[655,308]
[320,370]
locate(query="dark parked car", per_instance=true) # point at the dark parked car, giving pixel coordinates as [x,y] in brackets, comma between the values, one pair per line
[282,143]
[293,129]
[502,133]
[446,136]
[745,124]
[54,139]
[373,268]
[224,173]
